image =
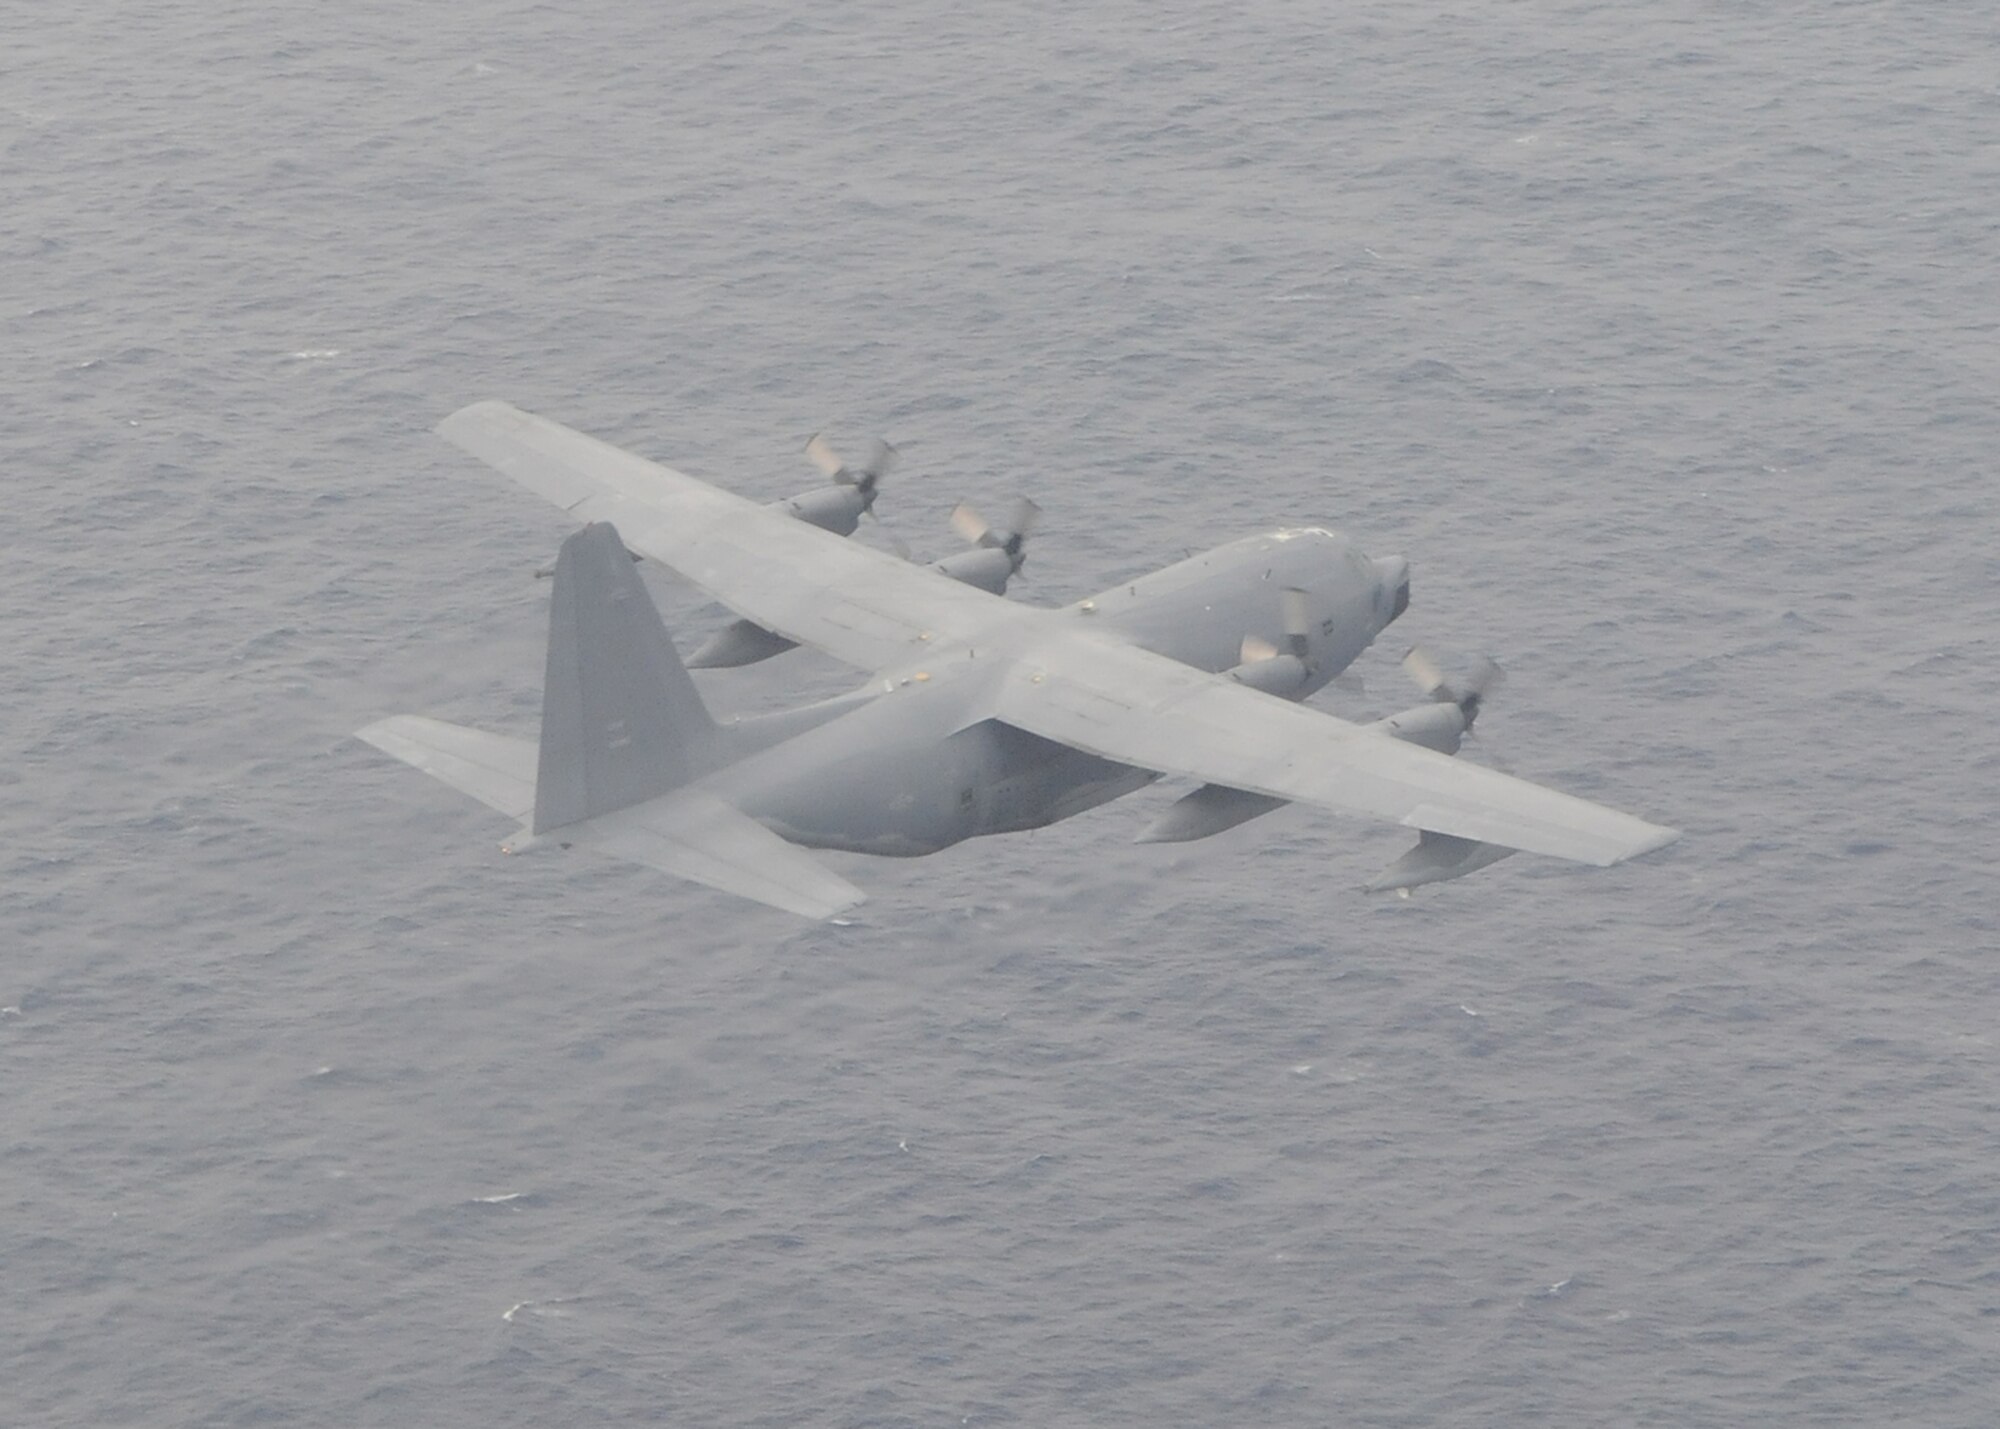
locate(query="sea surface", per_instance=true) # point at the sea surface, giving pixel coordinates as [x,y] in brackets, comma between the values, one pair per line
[1664,340]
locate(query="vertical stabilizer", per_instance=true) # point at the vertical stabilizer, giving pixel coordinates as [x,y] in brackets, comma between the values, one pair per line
[621,720]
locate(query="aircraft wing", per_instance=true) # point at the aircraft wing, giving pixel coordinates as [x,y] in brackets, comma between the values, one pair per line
[857,604]
[1108,698]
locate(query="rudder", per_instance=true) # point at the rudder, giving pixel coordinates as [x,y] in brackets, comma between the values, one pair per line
[621,719]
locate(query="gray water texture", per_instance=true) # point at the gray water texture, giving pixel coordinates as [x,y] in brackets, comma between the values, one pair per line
[1662,339]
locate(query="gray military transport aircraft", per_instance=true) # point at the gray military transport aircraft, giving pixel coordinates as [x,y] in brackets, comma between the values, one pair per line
[982,716]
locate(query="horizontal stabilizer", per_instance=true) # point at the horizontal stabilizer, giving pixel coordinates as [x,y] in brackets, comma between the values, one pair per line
[694,835]
[497,771]
[689,833]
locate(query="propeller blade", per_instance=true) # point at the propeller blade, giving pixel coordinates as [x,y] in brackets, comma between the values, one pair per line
[1022,522]
[969,524]
[821,454]
[1253,649]
[1429,676]
[882,459]
[1298,611]
[1024,518]
[1297,607]
[895,542]
[1486,677]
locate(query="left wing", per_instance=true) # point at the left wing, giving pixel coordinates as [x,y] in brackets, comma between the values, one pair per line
[1098,694]
[856,604]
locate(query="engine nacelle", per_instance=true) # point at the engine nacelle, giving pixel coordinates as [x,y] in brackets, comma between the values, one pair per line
[831,508]
[1206,812]
[987,567]
[1438,726]
[1285,676]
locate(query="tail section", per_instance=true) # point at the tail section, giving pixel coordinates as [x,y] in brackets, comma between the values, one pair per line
[621,719]
[623,731]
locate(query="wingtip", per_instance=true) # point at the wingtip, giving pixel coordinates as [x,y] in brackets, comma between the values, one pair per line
[856,901]
[484,404]
[1651,838]
[834,896]
[379,731]
[1661,837]
[483,413]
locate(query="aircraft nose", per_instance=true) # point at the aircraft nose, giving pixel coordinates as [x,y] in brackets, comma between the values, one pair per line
[1395,582]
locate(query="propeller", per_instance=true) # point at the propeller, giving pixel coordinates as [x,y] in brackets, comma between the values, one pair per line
[1288,672]
[865,478]
[1011,538]
[1297,607]
[1467,694]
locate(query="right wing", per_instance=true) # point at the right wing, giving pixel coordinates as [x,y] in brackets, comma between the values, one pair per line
[857,604]
[1112,699]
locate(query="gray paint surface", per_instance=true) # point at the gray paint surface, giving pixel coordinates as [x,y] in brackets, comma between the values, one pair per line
[1128,674]
[1001,720]
[621,718]
[1659,338]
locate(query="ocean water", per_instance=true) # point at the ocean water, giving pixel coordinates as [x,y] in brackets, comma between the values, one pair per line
[1663,340]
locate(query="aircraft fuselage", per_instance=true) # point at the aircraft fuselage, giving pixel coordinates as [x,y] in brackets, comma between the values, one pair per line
[913,769]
